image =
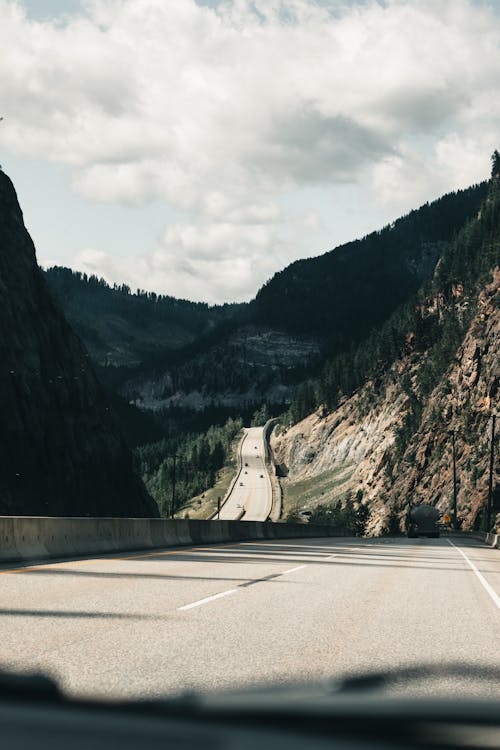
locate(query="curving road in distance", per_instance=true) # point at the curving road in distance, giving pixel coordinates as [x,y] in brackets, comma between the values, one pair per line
[251,496]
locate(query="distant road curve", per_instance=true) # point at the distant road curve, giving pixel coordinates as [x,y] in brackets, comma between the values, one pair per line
[251,497]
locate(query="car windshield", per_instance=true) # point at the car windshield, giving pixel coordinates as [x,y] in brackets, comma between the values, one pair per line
[249,347]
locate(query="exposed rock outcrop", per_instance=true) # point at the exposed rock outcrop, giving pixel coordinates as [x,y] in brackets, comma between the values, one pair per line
[360,434]
[250,366]
[62,452]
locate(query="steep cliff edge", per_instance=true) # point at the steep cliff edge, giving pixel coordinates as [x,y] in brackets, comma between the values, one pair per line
[62,452]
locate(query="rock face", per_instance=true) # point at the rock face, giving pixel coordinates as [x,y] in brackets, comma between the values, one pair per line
[62,452]
[356,442]
[248,367]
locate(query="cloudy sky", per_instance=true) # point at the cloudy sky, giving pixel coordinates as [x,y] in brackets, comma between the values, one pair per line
[196,147]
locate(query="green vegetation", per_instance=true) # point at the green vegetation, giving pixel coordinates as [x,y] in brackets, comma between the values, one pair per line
[409,289]
[198,460]
[431,322]
[350,515]
[346,512]
[121,327]
[308,493]
[205,504]
[343,294]
[495,164]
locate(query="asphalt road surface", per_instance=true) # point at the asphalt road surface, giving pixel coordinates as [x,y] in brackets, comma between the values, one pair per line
[251,498]
[255,612]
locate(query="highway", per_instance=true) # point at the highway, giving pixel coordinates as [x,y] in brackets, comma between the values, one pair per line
[213,617]
[251,495]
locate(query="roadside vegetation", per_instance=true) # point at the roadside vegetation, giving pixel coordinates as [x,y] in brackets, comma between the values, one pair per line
[199,459]
[348,512]
[204,505]
[308,494]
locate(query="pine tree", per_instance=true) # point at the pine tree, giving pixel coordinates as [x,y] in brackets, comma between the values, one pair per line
[495,164]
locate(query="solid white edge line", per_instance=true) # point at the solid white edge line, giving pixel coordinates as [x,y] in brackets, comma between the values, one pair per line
[208,599]
[292,570]
[482,579]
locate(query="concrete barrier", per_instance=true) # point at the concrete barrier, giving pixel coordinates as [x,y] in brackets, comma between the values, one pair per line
[40,538]
[277,503]
[489,538]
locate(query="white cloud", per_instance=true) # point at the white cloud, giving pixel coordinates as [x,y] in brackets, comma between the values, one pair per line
[205,262]
[312,220]
[221,113]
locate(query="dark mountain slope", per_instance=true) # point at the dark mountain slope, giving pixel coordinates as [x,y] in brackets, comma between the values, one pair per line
[62,452]
[318,308]
[124,328]
[345,293]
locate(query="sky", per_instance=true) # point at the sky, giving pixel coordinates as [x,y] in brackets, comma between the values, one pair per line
[194,148]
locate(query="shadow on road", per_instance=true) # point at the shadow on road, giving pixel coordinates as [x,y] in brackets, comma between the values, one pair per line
[72,614]
[376,553]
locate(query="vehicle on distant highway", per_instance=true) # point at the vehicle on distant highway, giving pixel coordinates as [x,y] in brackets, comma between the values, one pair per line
[241,484]
[423,521]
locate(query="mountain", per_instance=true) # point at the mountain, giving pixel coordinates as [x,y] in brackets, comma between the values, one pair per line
[263,351]
[382,417]
[343,294]
[237,371]
[317,333]
[63,452]
[120,327]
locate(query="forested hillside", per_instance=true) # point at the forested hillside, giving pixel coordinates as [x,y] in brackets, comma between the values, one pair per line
[121,327]
[342,294]
[174,354]
[62,447]
[381,415]
[198,458]
[319,332]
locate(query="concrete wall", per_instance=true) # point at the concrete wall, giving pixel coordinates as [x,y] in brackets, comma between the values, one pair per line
[277,507]
[492,540]
[38,538]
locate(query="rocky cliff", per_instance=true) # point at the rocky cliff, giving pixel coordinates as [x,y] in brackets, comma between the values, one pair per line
[250,366]
[62,452]
[355,454]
